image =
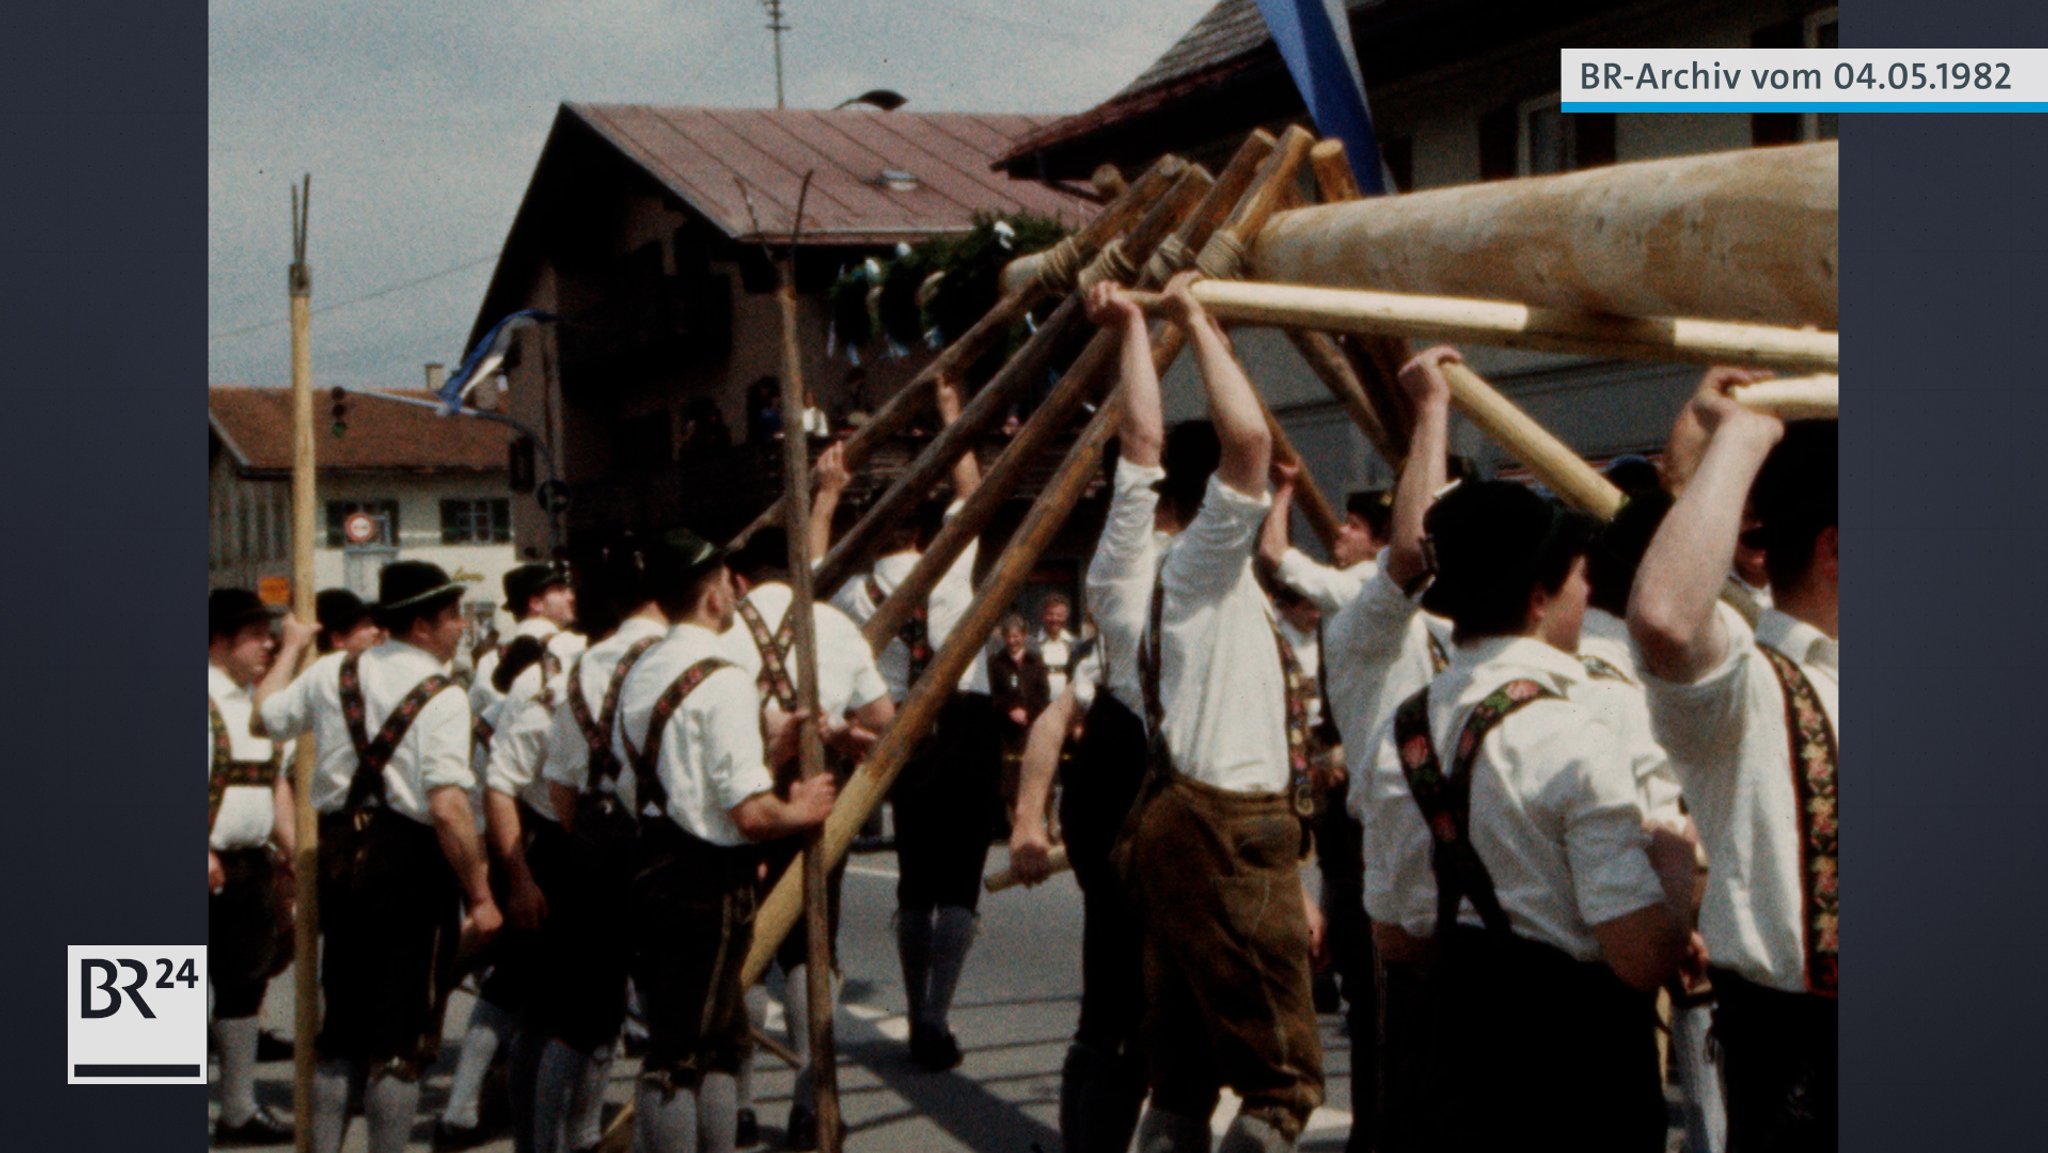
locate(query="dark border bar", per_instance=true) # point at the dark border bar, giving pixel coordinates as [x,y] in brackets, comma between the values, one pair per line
[135,1071]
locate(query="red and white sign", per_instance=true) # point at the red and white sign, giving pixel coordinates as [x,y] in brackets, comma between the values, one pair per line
[359,528]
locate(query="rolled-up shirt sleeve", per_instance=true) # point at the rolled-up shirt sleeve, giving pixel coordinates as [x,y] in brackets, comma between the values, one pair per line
[1594,797]
[289,712]
[1121,571]
[518,752]
[442,736]
[1211,554]
[736,766]
[1701,723]
[1329,587]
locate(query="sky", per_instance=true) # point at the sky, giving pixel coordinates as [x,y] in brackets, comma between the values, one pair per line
[421,121]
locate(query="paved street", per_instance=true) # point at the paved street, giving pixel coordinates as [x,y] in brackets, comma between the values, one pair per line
[1014,1014]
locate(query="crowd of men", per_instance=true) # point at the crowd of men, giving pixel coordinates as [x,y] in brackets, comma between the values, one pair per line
[1546,768]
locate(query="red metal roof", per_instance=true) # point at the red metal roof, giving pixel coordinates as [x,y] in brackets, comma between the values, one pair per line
[256,426]
[702,155]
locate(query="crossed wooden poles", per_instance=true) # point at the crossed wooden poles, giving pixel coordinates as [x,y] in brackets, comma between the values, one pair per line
[1178,216]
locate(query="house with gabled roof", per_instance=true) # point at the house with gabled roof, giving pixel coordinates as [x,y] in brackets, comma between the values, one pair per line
[642,231]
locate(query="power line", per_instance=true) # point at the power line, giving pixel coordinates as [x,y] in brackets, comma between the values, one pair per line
[366,297]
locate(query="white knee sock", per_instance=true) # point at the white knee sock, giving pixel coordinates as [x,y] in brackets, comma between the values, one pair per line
[489,1026]
[718,1113]
[585,1125]
[334,1083]
[235,1038]
[390,1105]
[665,1120]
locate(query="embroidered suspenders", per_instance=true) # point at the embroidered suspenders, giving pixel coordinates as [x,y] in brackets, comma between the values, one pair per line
[1815,761]
[226,771]
[775,678]
[647,761]
[366,788]
[1601,670]
[915,633]
[1446,801]
[1439,660]
[597,730]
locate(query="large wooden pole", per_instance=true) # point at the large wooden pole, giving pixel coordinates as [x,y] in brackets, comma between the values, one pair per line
[1747,235]
[306,827]
[1369,392]
[1457,320]
[1072,253]
[803,621]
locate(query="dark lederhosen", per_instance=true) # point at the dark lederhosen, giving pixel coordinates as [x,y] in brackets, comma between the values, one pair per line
[1533,1047]
[778,682]
[1214,876]
[1780,1062]
[242,922]
[579,989]
[389,904]
[692,911]
[949,796]
[516,966]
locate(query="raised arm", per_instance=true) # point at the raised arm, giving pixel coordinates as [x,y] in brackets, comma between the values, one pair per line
[966,470]
[832,477]
[284,666]
[1671,611]
[1429,392]
[1273,535]
[1141,431]
[1234,406]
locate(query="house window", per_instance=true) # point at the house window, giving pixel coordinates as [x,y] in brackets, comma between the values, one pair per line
[484,521]
[1548,141]
[338,510]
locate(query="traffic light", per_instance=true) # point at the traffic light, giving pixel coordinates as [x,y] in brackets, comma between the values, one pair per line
[340,397]
[519,465]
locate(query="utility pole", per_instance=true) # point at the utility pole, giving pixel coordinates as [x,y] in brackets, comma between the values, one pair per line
[777,27]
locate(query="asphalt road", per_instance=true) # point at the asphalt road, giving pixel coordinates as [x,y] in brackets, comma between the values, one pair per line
[1014,1014]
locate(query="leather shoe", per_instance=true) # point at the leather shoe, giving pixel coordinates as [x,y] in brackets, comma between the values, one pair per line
[933,1048]
[262,1128]
[449,1138]
[746,1129]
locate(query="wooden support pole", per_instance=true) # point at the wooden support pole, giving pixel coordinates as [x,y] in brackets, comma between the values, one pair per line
[1324,358]
[1550,459]
[778,1050]
[897,412]
[1027,369]
[871,781]
[1800,398]
[305,823]
[1746,235]
[1442,318]
[803,625]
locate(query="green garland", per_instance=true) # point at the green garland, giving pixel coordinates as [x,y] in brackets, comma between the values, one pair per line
[970,268]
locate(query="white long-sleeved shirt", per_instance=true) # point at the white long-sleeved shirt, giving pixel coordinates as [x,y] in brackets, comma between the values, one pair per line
[1220,681]
[1376,654]
[848,677]
[949,600]
[522,723]
[1726,733]
[247,813]
[1121,575]
[1554,815]
[711,756]
[433,754]
[562,645]
[1331,588]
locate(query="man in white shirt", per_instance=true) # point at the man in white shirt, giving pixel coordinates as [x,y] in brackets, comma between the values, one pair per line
[1751,719]
[398,844]
[949,796]
[1217,838]
[689,726]
[1360,538]
[855,704]
[578,1002]
[541,600]
[249,815]
[1506,841]
[1055,645]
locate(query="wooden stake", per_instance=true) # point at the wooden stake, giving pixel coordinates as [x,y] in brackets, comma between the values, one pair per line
[1802,398]
[305,823]
[1450,319]
[897,412]
[1553,462]
[1324,358]
[802,618]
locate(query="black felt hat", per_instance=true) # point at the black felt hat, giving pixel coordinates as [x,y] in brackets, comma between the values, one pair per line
[228,611]
[1798,489]
[411,584]
[678,555]
[1494,538]
[339,610]
[527,581]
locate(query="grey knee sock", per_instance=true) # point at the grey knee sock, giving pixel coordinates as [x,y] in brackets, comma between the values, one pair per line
[334,1083]
[757,1015]
[489,1026]
[555,1079]
[914,946]
[665,1120]
[718,1113]
[390,1105]
[236,1040]
[1252,1135]
[1163,1132]
[796,1000]
[952,936]
[586,1111]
